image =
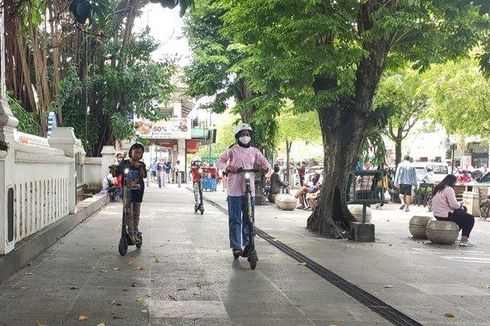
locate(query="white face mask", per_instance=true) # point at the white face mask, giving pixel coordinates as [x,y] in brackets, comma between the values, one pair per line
[245,140]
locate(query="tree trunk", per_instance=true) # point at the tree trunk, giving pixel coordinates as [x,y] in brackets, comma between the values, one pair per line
[288,151]
[342,132]
[398,151]
[398,144]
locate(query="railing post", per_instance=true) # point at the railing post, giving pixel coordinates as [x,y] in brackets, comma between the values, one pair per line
[108,152]
[8,124]
[64,138]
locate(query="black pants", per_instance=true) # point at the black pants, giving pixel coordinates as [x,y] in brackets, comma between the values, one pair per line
[464,220]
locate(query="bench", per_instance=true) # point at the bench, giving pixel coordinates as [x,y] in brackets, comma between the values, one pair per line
[362,189]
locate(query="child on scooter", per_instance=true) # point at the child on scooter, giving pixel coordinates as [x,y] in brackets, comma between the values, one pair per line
[135,171]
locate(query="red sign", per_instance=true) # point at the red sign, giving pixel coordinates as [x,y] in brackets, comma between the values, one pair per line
[192,146]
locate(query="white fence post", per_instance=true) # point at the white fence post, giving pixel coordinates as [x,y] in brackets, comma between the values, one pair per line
[107,153]
[8,124]
[64,138]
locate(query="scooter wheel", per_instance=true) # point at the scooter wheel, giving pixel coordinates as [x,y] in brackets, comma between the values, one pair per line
[253,259]
[236,255]
[123,246]
[141,243]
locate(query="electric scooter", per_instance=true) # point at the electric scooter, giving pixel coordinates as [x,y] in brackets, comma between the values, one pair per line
[249,217]
[125,240]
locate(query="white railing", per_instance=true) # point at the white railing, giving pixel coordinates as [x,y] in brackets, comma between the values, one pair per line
[38,204]
[41,188]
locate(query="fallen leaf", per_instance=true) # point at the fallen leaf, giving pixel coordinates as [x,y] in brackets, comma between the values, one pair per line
[133,284]
[487,286]
[449,314]
[24,288]
[40,324]
[157,260]
[101,324]
[303,264]
[82,318]
[181,289]
[389,286]
[140,268]
[74,287]
[140,299]
[172,297]
[115,269]
[28,273]
[125,290]
[115,303]
[144,310]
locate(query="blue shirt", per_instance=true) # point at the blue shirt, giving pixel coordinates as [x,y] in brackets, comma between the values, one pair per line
[405,174]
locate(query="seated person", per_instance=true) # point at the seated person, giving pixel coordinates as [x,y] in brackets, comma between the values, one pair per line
[447,208]
[312,187]
[109,184]
[277,186]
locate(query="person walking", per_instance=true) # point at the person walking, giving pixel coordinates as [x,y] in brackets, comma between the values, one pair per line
[405,179]
[301,173]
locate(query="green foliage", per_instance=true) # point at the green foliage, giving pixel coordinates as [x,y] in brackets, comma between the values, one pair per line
[301,126]
[141,86]
[27,120]
[291,46]
[461,97]
[209,73]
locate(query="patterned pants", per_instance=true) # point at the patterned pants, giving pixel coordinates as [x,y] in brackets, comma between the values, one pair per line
[133,218]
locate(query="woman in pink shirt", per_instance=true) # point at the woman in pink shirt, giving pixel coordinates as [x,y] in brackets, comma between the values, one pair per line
[447,208]
[240,155]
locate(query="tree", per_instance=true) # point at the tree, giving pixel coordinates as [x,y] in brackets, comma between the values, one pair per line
[406,99]
[211,73]
[293,127]
[331,55]
[81,59]
[461,97]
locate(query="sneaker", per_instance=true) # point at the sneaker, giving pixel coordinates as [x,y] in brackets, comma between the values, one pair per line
[246,251]
[402,206]
[465,243]
[237,252]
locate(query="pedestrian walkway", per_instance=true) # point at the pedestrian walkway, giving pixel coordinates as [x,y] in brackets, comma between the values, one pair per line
[185,274]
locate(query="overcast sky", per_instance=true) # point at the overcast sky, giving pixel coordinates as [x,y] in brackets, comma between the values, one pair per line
[166,27]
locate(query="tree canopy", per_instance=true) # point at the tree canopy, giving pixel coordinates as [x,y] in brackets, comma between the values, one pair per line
[461,97]
[330,56]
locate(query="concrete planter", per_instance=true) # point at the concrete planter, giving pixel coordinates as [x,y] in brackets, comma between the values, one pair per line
[442,232]
[356,210]
[285,202]
[418,226]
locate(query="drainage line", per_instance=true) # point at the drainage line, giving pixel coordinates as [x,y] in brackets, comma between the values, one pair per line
[380,307]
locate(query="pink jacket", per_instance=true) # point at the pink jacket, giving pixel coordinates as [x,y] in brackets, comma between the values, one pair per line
[245,158]
[444,202]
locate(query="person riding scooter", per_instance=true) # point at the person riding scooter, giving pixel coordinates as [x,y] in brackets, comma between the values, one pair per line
[196,173]
[240,155]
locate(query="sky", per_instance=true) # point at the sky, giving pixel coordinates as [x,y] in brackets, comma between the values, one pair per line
[166,27]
